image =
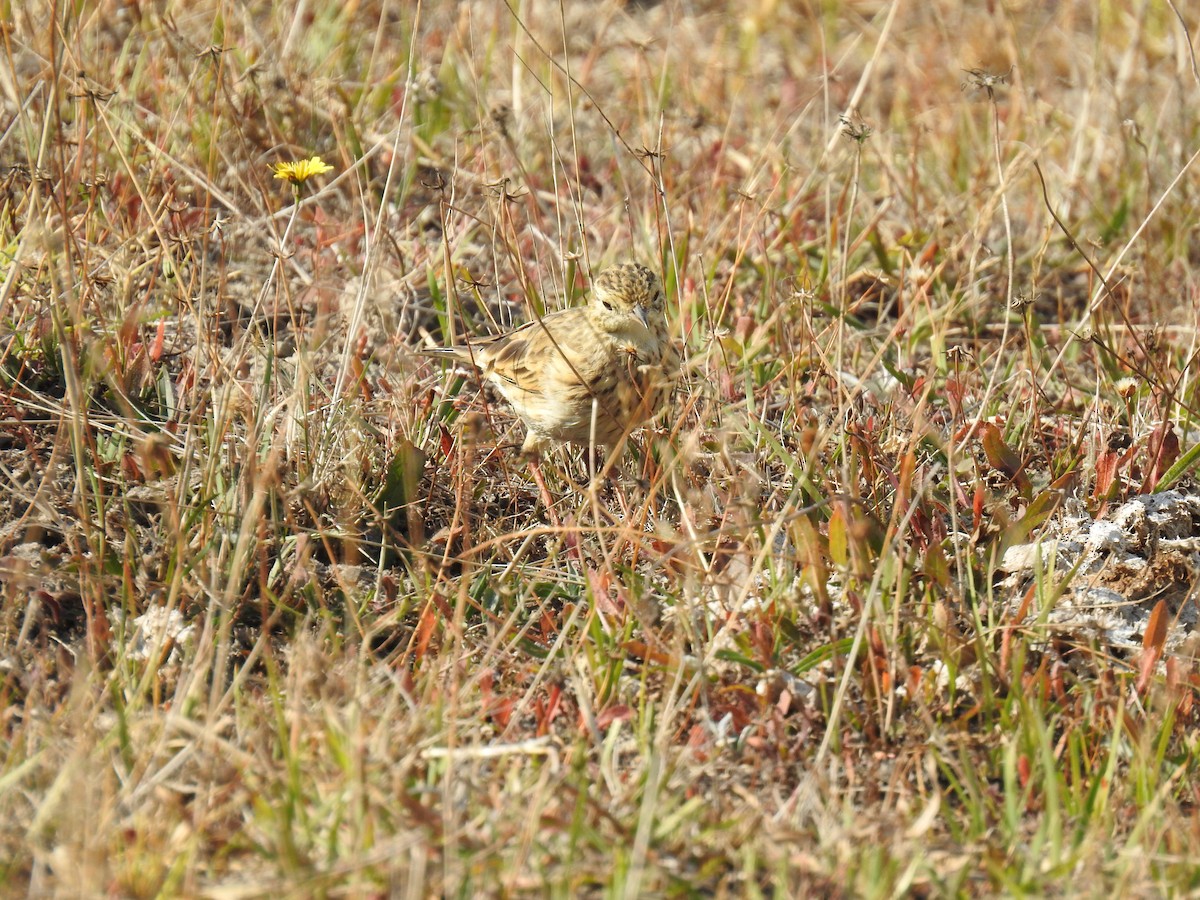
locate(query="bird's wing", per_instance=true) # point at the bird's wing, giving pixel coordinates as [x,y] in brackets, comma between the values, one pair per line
[561,344]
[549,351]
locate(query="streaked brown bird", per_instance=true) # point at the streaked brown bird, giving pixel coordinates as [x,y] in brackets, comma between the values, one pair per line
[589,375]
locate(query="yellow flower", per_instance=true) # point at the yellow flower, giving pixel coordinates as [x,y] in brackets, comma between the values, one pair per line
[301,170]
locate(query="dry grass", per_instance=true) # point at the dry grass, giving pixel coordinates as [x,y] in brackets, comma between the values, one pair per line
[769,654]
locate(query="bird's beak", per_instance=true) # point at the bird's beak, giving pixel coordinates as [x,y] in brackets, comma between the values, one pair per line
[643,314]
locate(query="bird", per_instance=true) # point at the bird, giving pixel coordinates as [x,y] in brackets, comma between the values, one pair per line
[587,375]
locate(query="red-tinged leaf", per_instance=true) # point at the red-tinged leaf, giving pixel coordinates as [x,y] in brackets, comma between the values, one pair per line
[495,707]
[904,480]
[1164,450]
[618,712]
[1156,628]
[1174,675]
[1058,685]
[1153,640]
[359,371]
[1035,684]
[855,601]
[186,379]
[128,328]
[426,626]
[547,712]
[548,625]
[52,604]
[99,633]
[1023,610]
[1108,464]
[446,440]
[130,470]
[1181,680]
[876,645]
[1002,458]
[156,348]
[602,594]
[601,581]
[1006,636]
[1024,770]
[1066,483]
[1118,451]
[642,650]
[999,455]
[913,683]
[698,741]
[501,711]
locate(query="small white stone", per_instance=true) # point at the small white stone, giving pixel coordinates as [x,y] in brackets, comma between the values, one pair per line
[1105,536]
[1023,557]
[155,627]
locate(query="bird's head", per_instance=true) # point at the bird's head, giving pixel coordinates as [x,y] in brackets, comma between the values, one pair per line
[626,298]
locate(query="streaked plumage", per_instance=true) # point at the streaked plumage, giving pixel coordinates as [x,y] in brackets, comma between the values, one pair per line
[588,374]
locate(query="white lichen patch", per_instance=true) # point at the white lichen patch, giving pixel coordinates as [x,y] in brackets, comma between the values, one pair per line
[157,629]
[1104,577]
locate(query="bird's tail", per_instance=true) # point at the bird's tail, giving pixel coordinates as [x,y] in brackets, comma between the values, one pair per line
[461,352]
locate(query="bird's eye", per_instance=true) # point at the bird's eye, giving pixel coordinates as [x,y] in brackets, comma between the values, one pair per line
[606,305]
